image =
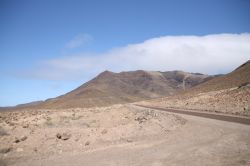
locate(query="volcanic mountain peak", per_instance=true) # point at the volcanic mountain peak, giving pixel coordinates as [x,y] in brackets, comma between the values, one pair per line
[106,73]
[112,88]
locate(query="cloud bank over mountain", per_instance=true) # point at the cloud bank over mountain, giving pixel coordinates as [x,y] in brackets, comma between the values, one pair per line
[210,54]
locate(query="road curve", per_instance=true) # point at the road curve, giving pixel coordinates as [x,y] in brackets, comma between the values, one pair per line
[223,117]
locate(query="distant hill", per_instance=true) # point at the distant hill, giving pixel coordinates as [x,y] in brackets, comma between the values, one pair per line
[228,93]
[238,77]
[30,104]
[111,88]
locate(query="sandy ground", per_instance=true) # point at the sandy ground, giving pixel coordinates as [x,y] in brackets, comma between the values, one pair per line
[120,135]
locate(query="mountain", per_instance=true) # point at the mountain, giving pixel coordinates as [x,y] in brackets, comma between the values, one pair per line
[228,93]
[238,77]
[34,103]
[111,88]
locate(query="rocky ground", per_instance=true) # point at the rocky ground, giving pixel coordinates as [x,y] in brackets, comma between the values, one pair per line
[234,100]
[35,135]
[119,135]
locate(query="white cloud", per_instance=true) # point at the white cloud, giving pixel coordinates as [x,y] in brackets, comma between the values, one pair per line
[79,41]
[211,54]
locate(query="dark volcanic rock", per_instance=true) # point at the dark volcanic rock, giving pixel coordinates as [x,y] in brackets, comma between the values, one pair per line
[63,136]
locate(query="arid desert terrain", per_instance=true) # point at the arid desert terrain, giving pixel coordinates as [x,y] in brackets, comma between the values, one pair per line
[124,83]
[101,123]
[119,135]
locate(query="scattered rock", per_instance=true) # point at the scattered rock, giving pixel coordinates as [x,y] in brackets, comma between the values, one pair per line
[17,140]
[25,125]
[141,119]
[35,149]
[129,140]
[104,131]
[10,123]
[58,135]
[87,143]
[5,150]
[63,136]
[23,138]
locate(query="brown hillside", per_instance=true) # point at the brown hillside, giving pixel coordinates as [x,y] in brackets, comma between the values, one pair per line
[238,77]
[111,88]
[228,94]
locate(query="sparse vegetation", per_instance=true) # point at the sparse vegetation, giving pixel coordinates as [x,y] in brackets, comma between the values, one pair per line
[49,122]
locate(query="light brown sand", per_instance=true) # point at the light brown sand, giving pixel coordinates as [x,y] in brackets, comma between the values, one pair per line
[121,135]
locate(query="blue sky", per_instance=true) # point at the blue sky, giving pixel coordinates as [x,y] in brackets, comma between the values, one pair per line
[49,47]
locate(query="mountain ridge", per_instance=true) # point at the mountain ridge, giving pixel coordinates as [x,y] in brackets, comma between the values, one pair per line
[110,88]
[229,93]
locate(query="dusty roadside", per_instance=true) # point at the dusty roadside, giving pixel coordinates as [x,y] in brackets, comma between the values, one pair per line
[210,115]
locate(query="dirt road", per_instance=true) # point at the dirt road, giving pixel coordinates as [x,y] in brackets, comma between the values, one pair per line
[223,117]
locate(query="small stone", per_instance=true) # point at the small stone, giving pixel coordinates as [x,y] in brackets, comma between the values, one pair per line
[129,140]
[35,149]
[63,136]
[87,143]
[23,138]
[58,135]
[141,119]
[17,140]
[104,131]
[5,150]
